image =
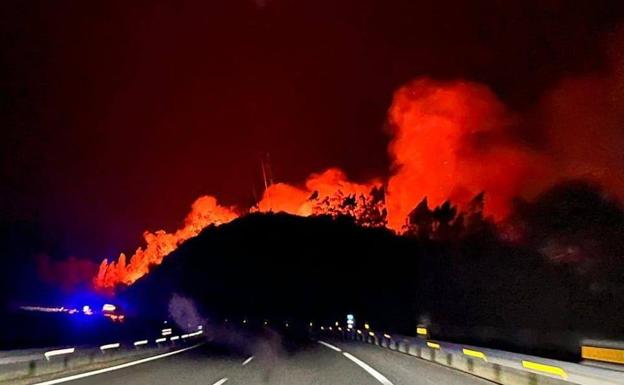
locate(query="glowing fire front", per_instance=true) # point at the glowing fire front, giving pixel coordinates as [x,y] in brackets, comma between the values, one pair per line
[327,193]
[449,141]
[323,193]
[204,212]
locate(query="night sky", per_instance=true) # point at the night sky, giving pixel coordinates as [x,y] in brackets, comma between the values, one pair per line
[116,116]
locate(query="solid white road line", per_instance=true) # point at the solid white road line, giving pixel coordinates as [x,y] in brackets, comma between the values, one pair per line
[221,381]
[116,367]
[248,360]
[329,346]
[378,376]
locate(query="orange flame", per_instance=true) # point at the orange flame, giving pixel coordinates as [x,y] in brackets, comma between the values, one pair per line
[450,141]
[303,201]
[205,211]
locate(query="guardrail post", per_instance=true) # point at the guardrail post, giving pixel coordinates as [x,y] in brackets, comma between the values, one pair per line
[533,379]
[497,372]
[470,364]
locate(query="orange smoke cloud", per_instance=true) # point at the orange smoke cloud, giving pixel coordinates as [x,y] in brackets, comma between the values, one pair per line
[303,200]
[581,118]
[205,211]
[450,141]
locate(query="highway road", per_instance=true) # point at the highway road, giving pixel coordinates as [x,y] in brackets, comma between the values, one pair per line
[285,363]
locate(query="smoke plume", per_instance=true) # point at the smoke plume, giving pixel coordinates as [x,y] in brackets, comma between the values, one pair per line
[583,124]
[451,140]
[184,313]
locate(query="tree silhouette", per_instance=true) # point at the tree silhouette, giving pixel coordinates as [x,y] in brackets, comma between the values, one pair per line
[367,210]
[443,215]
[420,221]
[371,210]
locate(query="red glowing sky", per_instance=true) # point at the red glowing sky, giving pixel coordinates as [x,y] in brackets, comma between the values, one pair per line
[119,116]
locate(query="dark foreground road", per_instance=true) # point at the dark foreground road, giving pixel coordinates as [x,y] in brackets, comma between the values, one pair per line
[308,363]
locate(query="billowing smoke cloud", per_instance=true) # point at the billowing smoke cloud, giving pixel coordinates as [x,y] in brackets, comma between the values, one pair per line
[452,141]
[583,124]
[184,313]
[574,222]
[266,348]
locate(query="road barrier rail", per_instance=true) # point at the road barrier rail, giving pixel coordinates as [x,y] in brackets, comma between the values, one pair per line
[495,365]
[27,366]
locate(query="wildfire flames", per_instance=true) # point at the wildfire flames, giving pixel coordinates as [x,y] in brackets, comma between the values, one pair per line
[204,212]
[316,197]
[304,201]
[450,141]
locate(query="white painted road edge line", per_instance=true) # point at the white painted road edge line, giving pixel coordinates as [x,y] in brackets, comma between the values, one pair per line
[221,381]
[58,352]
[116,367]
[378,376]
[248,360]
[329,346]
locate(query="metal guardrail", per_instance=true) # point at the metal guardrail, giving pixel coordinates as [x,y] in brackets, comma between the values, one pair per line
[496,365]
[31,363]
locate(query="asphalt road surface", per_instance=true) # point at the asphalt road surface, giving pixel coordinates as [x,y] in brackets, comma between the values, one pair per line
[313,363]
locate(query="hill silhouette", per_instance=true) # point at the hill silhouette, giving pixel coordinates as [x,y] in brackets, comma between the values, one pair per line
[480,287]
[278,266]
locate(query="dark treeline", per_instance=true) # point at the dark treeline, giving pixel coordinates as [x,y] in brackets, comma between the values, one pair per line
[549,276]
